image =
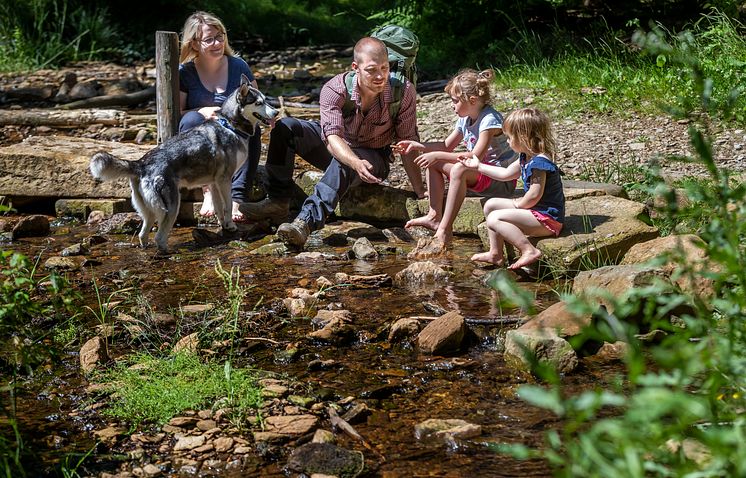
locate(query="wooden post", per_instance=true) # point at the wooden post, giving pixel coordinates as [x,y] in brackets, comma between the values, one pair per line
[167,83]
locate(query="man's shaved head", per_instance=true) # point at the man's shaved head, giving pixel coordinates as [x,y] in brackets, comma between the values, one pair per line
[372,47]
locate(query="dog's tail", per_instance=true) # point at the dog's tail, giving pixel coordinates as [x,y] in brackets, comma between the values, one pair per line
[106,167]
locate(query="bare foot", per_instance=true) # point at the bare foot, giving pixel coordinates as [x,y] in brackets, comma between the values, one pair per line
[528,257]
[424,221]
[427,248]
[207,209]
[489,258]
[236,214]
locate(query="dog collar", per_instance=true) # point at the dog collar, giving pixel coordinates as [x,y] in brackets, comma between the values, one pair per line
[222,121]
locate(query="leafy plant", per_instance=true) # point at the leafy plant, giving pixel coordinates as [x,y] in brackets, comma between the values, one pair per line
[678,408]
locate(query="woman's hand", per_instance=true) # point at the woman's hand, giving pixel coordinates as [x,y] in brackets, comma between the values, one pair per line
[209,112]
[407,146]
[471,162]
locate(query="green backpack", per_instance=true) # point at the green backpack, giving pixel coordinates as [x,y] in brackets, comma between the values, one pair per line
[402,46]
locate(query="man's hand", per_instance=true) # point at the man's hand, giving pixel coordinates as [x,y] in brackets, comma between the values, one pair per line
[363,169]
[407,146]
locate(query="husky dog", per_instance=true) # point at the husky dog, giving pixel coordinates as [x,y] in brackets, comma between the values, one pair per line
[208,154]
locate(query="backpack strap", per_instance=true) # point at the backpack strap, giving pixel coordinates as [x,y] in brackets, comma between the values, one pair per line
[348,109]
[397,92]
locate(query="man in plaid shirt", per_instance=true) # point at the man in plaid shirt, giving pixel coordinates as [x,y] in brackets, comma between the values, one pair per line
[350,149]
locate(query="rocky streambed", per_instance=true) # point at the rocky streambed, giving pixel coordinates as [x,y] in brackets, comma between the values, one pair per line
[370,363]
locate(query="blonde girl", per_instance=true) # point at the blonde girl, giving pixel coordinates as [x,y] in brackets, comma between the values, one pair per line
[479,129]
[541,210]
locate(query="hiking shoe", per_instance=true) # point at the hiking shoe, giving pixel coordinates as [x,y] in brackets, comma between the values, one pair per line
[294,233]
[274,209]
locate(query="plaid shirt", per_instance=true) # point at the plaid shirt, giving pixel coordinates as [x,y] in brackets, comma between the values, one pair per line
[374,129]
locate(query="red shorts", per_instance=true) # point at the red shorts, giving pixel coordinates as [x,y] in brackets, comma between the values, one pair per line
[483,182]
[554,226]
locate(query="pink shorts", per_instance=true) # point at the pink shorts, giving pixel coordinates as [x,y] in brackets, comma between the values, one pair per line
[555,227]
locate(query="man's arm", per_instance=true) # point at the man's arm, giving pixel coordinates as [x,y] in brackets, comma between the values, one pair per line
[339,148]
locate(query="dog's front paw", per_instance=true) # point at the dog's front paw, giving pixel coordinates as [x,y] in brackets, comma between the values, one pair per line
[230,227]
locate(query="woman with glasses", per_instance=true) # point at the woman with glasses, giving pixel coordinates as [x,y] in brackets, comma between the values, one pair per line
[209,71]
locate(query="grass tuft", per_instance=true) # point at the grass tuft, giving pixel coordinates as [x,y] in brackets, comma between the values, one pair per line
[152,389]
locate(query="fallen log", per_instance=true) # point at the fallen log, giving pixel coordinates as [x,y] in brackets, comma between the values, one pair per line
[128,99]
[64,119]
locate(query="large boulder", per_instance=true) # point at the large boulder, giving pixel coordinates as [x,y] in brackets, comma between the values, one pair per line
[52,166]
[524,347]
[598,230]
[689,249]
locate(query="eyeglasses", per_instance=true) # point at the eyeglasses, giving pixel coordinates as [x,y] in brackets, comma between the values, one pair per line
[209,41]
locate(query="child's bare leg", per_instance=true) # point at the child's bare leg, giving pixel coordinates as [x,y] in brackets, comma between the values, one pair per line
[460,179]
[514,226]
[436,187]
[414,173]
[495,254]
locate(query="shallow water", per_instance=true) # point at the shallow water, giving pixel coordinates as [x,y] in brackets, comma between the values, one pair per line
[401,386]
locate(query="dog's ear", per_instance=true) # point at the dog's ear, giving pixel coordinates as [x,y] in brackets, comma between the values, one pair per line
[243,88]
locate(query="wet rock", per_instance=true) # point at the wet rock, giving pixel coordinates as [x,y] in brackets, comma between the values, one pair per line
[357,413]
[335,331]
[94,240]
[59,263]
[446,428]
[296,307]
[363,249]
[312,257]
[442,335]
[341,232]
[323,436]
[189,442]
[613,352]
[398,235]
[121,223]
[364,282]
[95,218]
[35,225]
[419,273]
[323,317]
[522,347]
[325,458]
[295,425]
[301,401]
[188,344]
[74,250]
[150,470]
[272,249]
[319,364]
[403,329]
[93,353]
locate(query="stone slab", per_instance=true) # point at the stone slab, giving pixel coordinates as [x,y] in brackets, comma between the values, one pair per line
[81,208]
[57,166]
